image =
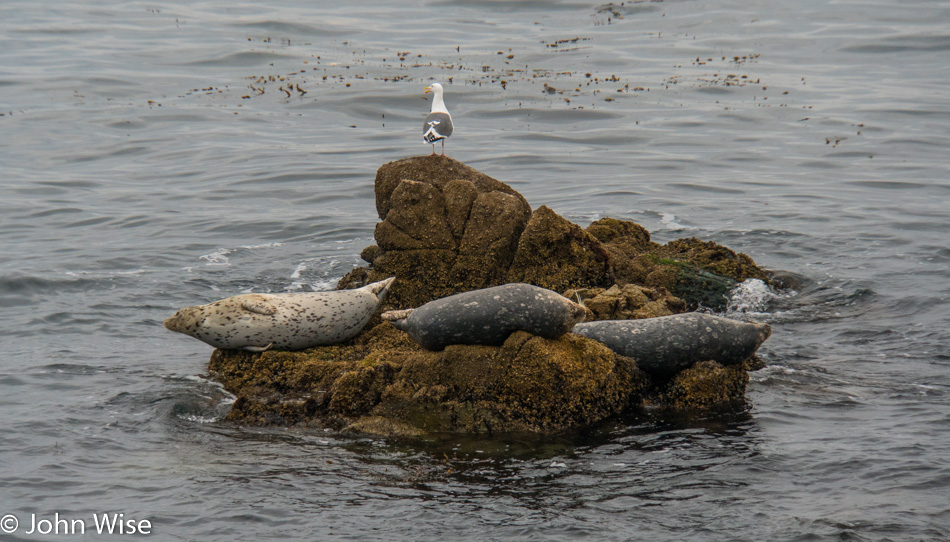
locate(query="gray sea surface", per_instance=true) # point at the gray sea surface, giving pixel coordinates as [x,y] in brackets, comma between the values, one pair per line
[162,154]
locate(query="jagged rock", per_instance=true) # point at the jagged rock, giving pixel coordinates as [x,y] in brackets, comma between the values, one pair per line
[714,258]
[446,228]
[495,223]
[459,197]
[621,236]
[707,386]
[556,254]
[627,302]
[417,219]
[370,253]
[439,171]
[527,384]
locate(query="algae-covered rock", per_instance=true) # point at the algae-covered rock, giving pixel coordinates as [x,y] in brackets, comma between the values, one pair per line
[385,386]
[495,223]
[439,171]
[417,219]
[714,258]
[700,272]
[629,302]
[706,386]
[446,228]
[556,254]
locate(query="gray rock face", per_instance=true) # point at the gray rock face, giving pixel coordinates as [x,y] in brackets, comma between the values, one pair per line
[666,345]
[488,316]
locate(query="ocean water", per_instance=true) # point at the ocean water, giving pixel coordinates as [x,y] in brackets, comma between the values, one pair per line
[162,154]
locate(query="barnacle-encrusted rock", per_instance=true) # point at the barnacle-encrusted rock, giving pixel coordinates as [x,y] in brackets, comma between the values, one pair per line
[527,384]
[629,302]
[447,228]
[707,386]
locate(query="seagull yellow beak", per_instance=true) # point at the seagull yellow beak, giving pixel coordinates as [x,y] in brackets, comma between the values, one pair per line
[427,90]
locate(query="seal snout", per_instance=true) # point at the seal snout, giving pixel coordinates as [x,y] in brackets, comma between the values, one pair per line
[171,323]
[579,313]
[765,331]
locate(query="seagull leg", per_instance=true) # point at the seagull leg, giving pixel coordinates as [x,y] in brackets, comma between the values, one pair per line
[443,148]
[433,150]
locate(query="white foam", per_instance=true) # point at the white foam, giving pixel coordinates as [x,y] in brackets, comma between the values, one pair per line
[198,419]
[264,245]
[325,284]
[669,220]
[752,295]
[301,277]
[96,274]
[218,257]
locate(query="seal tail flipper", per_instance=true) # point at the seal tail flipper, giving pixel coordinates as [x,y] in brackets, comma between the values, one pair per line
[398,318]
[258,348]
[379,289]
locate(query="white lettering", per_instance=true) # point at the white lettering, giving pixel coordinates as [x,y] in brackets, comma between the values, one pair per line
[117,524]
[106,524]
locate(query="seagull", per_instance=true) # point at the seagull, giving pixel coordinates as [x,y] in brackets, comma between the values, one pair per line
[438,124]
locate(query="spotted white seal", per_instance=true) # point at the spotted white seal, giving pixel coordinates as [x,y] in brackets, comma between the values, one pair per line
[488,316]
[666,345]
[258,322]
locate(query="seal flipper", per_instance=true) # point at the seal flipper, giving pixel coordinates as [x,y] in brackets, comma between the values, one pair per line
[258,304]
[379,289]
[258,348]
[398,318]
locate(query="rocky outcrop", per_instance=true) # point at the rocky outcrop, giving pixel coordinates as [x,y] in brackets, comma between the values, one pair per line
[629,302]
[706,386]
[446,228]
[383,383]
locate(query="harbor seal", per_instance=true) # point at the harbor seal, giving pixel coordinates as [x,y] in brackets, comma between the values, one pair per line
[665,345]
[488,316]
[258,322]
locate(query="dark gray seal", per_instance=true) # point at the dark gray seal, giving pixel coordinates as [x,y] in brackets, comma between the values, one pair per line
[666,345]
[488,316]
[258,322]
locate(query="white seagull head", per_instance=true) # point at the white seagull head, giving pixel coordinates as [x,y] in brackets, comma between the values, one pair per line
[434,87]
